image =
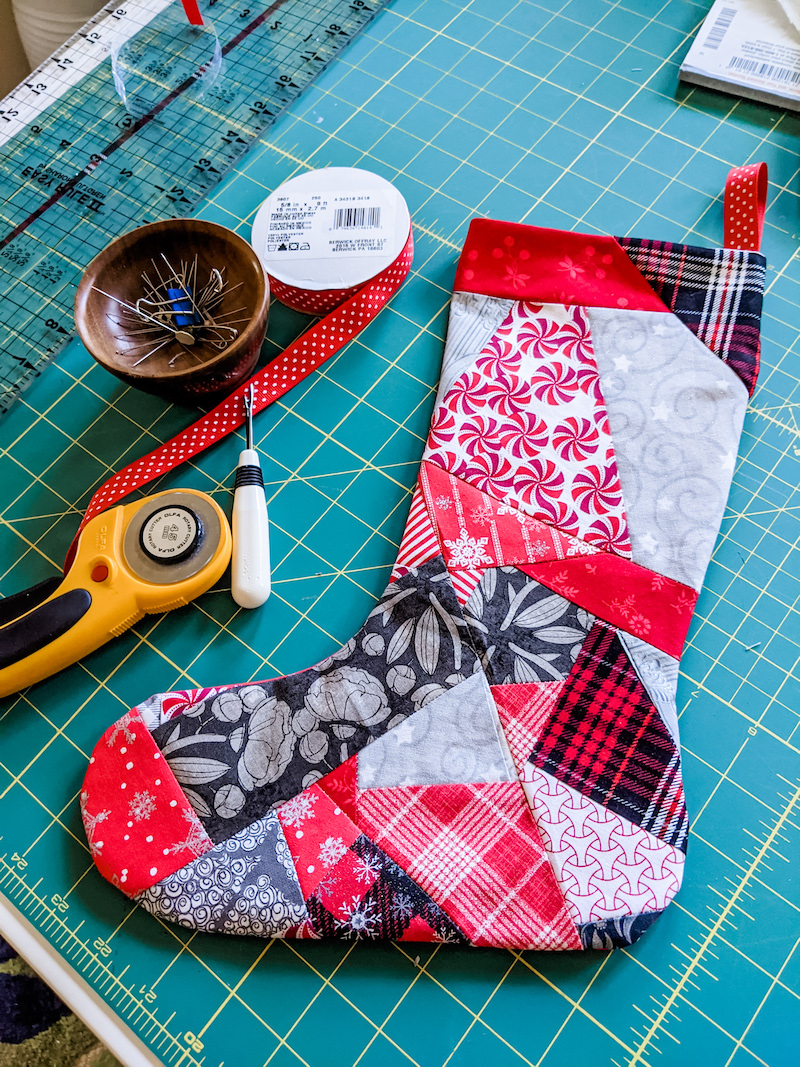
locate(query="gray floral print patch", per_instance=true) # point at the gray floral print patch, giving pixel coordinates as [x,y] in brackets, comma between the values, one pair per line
[241,751]
[522,630]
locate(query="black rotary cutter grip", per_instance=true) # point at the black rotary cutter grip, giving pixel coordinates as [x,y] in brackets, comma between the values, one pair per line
[44,624]
[248,474]
[11,607]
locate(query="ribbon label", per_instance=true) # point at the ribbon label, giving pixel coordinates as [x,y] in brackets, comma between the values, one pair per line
[329,230]
[330,225]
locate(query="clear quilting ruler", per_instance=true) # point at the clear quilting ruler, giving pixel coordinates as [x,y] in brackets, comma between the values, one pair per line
[76,169]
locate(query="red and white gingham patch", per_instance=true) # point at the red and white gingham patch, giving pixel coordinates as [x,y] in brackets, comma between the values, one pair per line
[477,852]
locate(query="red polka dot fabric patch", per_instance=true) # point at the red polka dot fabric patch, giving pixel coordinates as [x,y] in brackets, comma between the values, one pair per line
[139,822]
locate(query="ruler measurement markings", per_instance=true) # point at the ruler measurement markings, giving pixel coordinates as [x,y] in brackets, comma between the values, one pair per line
[87,963]
[147,155]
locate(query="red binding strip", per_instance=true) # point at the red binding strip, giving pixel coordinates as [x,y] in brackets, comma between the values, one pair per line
[294,364]
[520,262]
[745,204]
[192,12]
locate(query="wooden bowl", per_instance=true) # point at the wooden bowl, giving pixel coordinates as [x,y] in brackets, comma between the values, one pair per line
[201,372]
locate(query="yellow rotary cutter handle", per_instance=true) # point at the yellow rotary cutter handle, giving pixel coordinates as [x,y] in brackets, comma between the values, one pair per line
[150,556]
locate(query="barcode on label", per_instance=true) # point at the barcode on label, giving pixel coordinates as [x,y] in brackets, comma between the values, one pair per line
[765,70]
[720,27]
[357,218]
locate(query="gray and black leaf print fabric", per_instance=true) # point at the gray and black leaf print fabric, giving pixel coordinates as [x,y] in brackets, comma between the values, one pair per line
[254,745]
[245,885]
[524,632]
[617,932]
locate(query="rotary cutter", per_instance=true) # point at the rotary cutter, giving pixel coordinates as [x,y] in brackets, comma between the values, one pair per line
[135,559]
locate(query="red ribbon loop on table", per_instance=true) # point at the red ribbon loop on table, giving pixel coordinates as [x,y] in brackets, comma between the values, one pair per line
[745,203]
[295,363]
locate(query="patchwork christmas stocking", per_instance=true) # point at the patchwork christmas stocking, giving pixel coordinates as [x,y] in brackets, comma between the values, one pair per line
[493,758]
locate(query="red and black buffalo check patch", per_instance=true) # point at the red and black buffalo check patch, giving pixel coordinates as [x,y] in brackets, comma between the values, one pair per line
[606,740]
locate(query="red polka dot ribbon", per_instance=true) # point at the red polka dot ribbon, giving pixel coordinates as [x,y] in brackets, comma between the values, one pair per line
[354,310]
[745,202]
[192,10]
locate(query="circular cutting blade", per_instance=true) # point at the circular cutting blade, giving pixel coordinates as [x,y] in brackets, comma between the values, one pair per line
[171,537]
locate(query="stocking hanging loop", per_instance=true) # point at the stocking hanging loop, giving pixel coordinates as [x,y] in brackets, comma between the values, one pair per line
[745,203]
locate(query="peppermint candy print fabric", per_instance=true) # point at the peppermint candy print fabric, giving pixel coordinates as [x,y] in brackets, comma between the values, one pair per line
[527,424]
[493,759]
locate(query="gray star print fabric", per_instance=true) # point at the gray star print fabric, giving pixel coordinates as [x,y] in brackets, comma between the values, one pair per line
[676,415]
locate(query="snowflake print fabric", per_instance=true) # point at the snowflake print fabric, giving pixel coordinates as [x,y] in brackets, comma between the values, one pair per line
[493,759]
[150,830]
[368,897]
[526,423]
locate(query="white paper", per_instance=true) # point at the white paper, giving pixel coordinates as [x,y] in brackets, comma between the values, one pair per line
[747,45]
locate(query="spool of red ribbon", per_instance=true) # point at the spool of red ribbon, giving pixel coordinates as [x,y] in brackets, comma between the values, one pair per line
[323,234]
[350,307]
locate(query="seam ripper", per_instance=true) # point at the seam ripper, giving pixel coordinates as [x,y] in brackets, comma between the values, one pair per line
[250,569]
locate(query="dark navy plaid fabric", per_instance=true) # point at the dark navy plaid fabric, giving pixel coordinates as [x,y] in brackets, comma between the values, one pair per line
[606,740]
[716,292]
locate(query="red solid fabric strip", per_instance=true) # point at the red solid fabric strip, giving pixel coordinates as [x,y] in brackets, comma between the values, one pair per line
[570,268]
[192,12]
[294,364]
[745,204]
[637,600]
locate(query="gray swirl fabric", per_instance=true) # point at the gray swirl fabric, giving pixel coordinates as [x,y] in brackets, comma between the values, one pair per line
[658,673]
[473,320]
[455,738]
[245,885]
[676,414]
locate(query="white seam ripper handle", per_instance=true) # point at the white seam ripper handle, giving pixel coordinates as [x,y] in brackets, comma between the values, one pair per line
[250,572]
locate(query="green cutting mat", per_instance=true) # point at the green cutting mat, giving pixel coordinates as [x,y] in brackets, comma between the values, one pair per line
[556,113]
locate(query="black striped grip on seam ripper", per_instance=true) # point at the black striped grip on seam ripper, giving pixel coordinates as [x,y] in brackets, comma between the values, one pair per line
[249,474]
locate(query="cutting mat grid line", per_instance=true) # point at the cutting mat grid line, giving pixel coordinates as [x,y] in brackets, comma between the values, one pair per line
[561,113]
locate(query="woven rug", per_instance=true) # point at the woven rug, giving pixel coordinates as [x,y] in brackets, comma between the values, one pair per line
[36,1028]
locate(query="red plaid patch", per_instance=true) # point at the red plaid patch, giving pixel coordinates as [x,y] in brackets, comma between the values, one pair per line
[476,851]
[524,709]
[606,740]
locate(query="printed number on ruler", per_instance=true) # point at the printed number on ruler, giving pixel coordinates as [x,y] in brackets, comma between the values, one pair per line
[76,170]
